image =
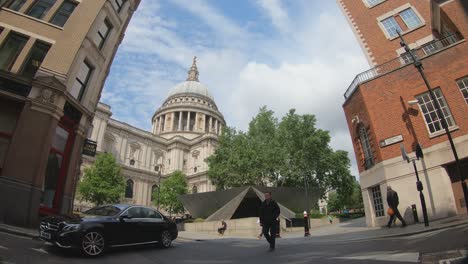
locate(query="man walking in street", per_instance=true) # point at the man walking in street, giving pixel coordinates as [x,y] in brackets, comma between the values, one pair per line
[392,201]
[269,213]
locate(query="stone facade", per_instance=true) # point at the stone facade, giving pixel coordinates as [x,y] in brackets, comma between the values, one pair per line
[184,133]
[55,57]
[388,106]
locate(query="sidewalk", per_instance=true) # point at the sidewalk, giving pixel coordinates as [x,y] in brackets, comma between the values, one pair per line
[352,230]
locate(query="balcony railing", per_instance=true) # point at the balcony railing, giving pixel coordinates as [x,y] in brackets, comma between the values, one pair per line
[403,60]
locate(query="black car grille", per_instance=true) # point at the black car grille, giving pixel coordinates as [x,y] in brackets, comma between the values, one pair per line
[45,226]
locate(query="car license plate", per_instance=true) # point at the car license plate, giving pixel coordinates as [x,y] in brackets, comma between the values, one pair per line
[45,235]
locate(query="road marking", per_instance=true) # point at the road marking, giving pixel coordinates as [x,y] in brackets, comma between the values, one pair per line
[2,247]
[386,256]
[40,250]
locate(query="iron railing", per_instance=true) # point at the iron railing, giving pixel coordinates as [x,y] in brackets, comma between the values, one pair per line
[403,60]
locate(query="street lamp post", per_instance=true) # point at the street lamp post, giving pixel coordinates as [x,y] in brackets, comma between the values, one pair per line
[419,185]
[417,63]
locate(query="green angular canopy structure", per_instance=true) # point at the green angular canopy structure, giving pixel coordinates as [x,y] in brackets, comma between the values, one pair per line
[245,202]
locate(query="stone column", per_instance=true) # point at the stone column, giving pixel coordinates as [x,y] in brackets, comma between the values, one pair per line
[210,124]
[180,120]
[188,121]
[216,126]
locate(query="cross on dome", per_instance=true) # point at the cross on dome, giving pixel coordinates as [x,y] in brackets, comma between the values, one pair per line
[193,72]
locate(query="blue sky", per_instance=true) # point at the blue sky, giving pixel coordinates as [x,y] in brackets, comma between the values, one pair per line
[283,54]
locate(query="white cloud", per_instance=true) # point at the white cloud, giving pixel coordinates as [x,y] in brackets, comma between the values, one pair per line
[278,15]
[308,66]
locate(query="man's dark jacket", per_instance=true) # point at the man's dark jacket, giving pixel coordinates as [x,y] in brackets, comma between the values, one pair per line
[269,211]
[392,199]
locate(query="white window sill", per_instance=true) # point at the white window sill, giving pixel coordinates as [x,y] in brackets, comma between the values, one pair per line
[372,6]
[442,132]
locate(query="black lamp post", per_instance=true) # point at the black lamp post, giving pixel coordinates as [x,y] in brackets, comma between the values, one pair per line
[306,190]
[419,185]
[417,63]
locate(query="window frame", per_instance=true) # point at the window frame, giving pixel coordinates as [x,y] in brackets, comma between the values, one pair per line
[398,13]
[432,112]
[364,141]
[377,201]
[19,4]
[26,62]
[102,38]
[18,51]
[119,6]
[464,81]
[61,12]
[414,15]
[84,84]
[36,3]
[371,5]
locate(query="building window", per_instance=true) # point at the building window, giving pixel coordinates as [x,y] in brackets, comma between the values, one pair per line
[463,85]
[10,50]
[377,199]
[371,3]
[36,56]
[17,4]
[194,189]
[129,189]
[154,192]
[40,8]
[430,113]
[81,80]
[103,33]
[429,48]
[132,162]
[410,18]
[406,58]
[64,12]
[119,4]
[195,169]
[391,26]
[366,147]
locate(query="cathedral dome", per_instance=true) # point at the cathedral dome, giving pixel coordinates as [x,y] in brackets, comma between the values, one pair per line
[193,87]
[192,84]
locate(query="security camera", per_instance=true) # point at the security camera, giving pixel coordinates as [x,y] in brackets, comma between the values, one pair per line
[413,102]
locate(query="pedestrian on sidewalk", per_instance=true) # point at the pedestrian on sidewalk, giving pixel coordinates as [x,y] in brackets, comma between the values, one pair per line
[330,218]
[223,227]
[269,212]
[392,201]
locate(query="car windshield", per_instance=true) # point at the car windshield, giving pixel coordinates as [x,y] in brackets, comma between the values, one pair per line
[103,211]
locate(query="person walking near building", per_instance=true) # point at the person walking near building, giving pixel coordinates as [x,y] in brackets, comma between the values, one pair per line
[269,213]
[392,201]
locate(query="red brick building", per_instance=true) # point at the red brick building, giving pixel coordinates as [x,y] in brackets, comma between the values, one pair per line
[389,104]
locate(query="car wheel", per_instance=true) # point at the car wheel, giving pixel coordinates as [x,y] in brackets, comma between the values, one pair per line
[93,243]
[166,239]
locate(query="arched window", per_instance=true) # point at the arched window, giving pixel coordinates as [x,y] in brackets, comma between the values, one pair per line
[129,189]
[195,169]
[154,190]
[132,162]
[194,189]
[366,147]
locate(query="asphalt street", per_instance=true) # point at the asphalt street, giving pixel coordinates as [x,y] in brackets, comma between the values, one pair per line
[409,249]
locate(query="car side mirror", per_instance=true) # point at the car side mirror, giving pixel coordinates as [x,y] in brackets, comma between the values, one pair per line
[123,217]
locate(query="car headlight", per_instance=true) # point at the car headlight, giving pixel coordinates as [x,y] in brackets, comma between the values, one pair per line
[71,227]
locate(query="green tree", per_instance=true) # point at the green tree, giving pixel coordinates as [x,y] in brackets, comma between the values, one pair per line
[283,153]
[102,182]
[173,186]
[334,204]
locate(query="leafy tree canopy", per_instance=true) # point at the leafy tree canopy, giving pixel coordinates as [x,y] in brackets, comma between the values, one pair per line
[102,182]
[173,186]
[281,153]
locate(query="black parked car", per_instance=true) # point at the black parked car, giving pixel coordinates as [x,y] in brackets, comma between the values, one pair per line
[109,226]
